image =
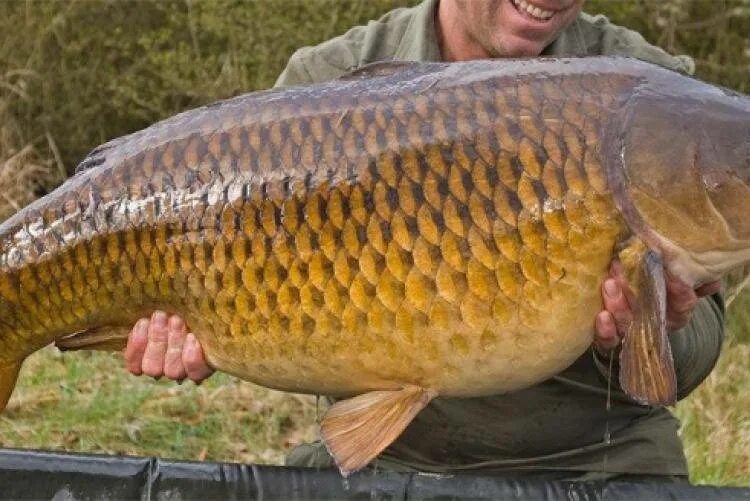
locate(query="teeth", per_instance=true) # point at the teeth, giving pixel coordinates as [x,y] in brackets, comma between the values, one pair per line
[532,10]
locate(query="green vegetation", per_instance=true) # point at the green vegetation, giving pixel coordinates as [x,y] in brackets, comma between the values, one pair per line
[715,419]
[85,71]
[91,71]
[74,74]
[86,402]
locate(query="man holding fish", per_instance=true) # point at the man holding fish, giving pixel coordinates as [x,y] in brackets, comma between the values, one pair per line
[556,428]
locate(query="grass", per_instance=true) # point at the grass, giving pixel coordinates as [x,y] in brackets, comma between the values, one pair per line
[86,402]
[715,417]
[716,423]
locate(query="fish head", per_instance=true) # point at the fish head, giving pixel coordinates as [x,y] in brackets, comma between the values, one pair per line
[685,185]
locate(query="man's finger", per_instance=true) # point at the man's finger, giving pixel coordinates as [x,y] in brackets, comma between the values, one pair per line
[617,305]
[681,301]
[675,285]
[195,363]
[708,289]
[153,358]
[681,304]
[606,338]
[681,297]
[134,350]
[173,366]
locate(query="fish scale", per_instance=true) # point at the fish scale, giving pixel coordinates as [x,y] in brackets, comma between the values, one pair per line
[408,231]
[373,229]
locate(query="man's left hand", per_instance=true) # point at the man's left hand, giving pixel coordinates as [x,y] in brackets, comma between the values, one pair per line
[612,323]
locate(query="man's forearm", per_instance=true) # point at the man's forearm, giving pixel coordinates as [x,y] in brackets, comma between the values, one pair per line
[696,347]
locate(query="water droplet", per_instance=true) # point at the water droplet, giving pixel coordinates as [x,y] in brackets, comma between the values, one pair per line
[607,409]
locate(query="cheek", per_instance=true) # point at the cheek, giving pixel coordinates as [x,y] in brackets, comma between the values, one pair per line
[475,14]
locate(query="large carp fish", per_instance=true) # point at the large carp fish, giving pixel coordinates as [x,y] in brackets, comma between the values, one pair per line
[412,230]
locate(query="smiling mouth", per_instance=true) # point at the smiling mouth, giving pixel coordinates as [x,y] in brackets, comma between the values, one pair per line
[530,10]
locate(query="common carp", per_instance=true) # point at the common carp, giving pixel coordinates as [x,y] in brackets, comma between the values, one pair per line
[409,231]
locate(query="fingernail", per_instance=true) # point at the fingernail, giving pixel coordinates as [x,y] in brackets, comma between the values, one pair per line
[159,318]
[611,288]
[604,317]
[175,323]
[141,327]
[191,342]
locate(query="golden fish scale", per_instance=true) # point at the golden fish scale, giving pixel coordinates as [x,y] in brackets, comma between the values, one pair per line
[443,238]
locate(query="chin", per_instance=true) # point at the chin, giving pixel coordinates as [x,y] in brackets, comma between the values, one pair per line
[518,35]
[517,47]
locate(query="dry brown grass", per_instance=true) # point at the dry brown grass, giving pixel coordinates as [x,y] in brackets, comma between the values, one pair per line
[28,166]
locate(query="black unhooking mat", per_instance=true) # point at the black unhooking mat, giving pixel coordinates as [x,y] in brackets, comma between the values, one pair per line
[26,474]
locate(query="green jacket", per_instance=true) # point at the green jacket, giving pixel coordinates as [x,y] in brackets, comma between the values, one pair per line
[559,425]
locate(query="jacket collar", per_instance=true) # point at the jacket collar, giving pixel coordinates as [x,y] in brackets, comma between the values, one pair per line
[419,42]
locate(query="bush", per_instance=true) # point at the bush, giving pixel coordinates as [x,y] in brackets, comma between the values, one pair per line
[91,71]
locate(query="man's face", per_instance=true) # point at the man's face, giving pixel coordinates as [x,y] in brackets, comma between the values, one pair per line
[516,28]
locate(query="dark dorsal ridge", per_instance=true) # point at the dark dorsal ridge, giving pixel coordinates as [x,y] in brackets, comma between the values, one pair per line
[378,69]
[98,156]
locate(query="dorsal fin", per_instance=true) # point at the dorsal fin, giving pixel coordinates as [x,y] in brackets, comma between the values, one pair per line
[98,155]
[378,69]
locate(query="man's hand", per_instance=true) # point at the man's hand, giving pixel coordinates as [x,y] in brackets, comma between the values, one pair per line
[161,346]
[613,322]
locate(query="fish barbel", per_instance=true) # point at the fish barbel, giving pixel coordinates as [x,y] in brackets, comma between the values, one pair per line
[408,231]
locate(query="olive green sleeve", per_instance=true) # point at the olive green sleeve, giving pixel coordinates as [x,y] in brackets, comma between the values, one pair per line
[295,72]
[309,65]
[601,37]
[696,347]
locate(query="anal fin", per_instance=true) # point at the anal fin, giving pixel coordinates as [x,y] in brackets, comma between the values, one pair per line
[103,338]
[646,367]
[356,430]
[8,376]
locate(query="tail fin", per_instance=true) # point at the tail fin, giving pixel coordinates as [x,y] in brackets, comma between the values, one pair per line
[8,376]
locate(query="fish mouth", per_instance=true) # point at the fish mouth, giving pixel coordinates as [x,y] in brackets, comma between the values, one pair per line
[533,11]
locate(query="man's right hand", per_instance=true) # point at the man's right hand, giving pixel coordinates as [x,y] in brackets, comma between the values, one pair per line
[161,346]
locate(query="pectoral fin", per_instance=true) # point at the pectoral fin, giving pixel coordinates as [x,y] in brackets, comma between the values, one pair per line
[646,368]
[104,339]
[8,376]
[356,430]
